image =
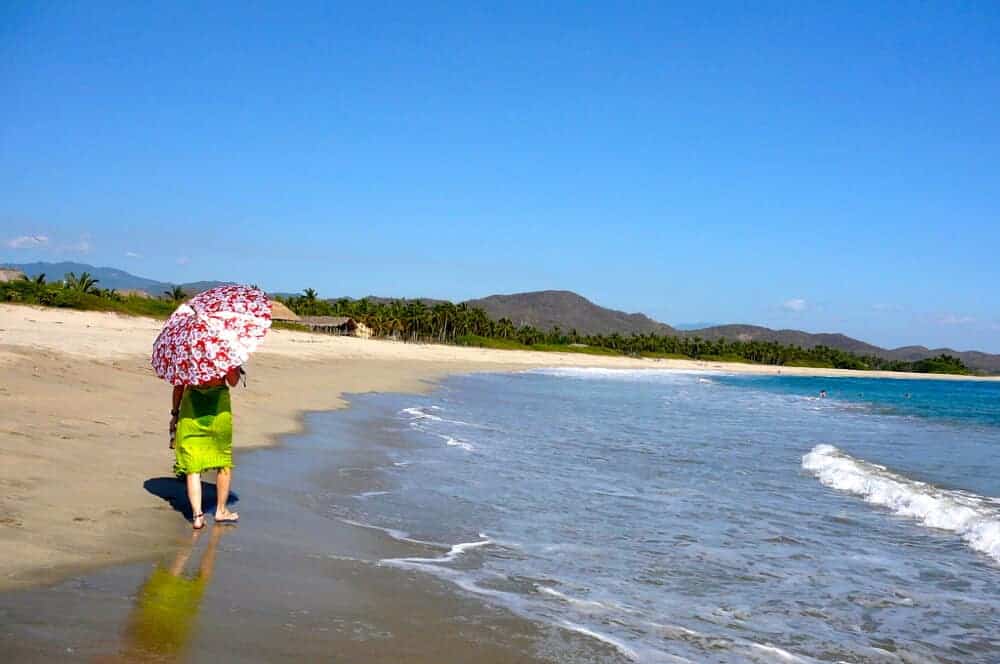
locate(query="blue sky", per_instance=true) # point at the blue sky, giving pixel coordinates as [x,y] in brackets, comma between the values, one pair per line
[827,166]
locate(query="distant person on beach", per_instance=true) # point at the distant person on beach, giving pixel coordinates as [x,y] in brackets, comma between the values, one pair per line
[822,394]
[201,433]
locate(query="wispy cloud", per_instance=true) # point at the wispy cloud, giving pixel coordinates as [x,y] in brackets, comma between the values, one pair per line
[955,319]
[28,242]
[887,307]
[183,260]
[132,254]
[796,305]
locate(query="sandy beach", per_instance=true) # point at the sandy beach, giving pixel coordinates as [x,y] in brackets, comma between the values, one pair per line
[84,435]
[85,421]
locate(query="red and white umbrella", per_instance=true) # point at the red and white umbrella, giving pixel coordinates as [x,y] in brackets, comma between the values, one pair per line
[210,334]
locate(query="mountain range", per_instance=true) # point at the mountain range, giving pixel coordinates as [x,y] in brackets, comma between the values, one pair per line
[109,277]
[567,310]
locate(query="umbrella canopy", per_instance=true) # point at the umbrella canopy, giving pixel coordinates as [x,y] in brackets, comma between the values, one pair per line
[210,334]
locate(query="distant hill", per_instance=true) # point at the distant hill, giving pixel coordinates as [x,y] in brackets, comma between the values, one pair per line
[110,277]
[786,337]
[547,309]
[693,326]
[972,359]
[565,309]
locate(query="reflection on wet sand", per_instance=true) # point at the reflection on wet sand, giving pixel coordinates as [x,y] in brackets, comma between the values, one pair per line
[162,622]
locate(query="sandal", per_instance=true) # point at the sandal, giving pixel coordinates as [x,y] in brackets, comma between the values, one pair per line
[194,522]
[231,519]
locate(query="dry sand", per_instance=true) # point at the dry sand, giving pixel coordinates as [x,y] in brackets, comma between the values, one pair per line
[84,422]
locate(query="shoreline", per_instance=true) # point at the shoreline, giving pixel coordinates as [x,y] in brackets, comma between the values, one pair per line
[88,421]
[296,567]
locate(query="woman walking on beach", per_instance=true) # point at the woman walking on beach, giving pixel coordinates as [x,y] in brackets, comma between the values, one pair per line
[201,351]
[201,430]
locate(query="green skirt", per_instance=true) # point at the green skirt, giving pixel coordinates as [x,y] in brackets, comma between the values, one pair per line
[204,437]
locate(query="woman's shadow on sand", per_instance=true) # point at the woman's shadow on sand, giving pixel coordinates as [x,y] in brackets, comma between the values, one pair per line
[174,491]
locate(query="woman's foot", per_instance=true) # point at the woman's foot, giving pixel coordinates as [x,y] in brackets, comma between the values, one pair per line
[199,521]
[225,516]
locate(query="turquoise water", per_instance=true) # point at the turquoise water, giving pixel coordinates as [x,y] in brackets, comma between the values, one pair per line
[955,400]
[704,517]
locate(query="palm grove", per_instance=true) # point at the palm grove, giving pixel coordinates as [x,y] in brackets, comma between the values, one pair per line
[445,322]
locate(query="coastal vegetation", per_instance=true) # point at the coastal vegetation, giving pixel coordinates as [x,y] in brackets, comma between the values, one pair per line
[445,322]
[81,292]
[461,324]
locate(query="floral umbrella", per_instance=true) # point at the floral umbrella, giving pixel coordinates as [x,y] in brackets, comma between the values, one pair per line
[210,334]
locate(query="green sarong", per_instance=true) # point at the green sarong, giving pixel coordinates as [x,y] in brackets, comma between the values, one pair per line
[204,437]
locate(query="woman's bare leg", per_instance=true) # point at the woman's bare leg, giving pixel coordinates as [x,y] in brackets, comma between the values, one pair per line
[194,496]
[222,483]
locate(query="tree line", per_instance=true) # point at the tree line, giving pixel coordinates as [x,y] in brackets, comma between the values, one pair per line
[445,322]
[83,292]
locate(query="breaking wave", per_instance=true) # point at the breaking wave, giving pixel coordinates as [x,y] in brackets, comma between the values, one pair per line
[976,519]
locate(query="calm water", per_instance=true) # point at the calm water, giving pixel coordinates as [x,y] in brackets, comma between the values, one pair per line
[705,518]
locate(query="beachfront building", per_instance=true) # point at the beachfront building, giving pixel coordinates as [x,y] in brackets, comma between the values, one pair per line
[135,292]
[280,312]
[342,325]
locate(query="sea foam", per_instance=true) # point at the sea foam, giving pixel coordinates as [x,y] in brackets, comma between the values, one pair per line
[976,519]
[629,375]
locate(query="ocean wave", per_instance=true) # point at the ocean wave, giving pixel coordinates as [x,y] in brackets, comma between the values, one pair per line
[398,535]
[617,644]
[750,651]
[454,552]
[417,414]
[629,375]
[585,605]
[455,442]
[371,494]
[976,519]
[420,414]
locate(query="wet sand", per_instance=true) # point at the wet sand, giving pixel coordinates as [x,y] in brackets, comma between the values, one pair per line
[84,467]
[290,583]
[85,422]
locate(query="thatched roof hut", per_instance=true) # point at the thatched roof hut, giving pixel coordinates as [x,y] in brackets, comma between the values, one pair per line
[281,312]
[337,325]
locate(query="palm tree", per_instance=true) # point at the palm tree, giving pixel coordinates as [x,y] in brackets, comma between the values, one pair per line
[85,283]
[176,294]
[38,281]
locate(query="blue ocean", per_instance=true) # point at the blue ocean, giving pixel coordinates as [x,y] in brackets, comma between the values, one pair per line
[685,517]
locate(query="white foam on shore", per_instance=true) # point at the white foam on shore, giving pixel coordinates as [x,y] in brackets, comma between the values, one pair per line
[454,552]
[584,605]
[454,442]
[976,519]
[399,535]
[630,375]
[371,494]
[776,654]
[604,638]
[418,414]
